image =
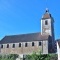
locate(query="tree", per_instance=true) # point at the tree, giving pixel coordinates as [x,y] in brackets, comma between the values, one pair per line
[39,56]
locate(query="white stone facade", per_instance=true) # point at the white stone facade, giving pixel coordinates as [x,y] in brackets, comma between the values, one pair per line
[58,51]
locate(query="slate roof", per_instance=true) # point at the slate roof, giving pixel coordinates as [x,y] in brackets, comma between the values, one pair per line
[47,15]
[23,38]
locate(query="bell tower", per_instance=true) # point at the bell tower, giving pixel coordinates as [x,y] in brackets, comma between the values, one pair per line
[47,24]
[47,28]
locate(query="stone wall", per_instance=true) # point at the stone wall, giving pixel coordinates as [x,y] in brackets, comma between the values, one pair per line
[25,50]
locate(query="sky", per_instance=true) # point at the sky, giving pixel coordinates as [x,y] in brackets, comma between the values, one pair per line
[24,16]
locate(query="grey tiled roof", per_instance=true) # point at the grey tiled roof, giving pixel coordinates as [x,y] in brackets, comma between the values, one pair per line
[47,15]
[23,38]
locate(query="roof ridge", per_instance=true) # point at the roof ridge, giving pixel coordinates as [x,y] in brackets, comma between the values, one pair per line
[23,34]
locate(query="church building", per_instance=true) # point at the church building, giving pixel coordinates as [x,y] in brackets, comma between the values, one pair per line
[33,42]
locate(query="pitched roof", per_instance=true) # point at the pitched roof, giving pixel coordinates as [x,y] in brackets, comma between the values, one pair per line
[47,15]
[23,38]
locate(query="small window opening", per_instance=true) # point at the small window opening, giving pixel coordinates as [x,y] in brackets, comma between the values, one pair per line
[32,43]
[46,22]
[25,44]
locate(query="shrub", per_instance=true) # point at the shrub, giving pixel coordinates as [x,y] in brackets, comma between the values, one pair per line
[8,57]
[40,56]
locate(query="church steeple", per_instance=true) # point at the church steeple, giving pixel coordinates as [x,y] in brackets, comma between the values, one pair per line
[46,15]
[47,27]
[47,24]
[47,10]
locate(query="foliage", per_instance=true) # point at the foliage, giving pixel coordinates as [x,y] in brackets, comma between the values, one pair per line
[33,56]
[8,57]
[40,56]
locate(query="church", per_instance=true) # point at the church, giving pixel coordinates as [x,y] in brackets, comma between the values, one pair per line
[33,42]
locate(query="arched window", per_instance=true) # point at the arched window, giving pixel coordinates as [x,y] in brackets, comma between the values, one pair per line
[25,44]
[7,45]
[32,43]
[1,46]
[19,44]
[39,43]
[46,22]
[13,46]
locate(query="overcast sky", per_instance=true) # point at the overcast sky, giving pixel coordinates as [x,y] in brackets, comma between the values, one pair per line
[24,16]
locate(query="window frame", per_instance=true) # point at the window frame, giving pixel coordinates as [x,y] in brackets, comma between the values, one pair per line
[13,46]
[46,22]
[33,44]
[39,43]
[7,45]
[19,44]
[2,46]
[26,44]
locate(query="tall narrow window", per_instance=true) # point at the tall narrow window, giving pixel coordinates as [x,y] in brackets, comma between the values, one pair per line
[32,43]
[19,44]
[46,22]
[39,43]
[13,46]
[1,46]
[7,45]
[25,44]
